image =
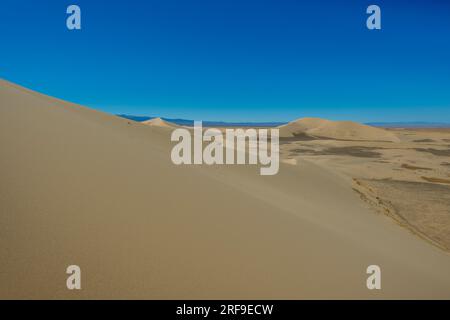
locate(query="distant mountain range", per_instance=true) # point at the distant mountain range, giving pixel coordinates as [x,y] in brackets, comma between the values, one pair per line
[185,122]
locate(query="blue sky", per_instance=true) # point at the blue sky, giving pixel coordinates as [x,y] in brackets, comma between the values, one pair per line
[235,60]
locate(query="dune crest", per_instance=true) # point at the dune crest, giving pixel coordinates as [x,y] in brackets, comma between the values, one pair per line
[158,122]
[339,130]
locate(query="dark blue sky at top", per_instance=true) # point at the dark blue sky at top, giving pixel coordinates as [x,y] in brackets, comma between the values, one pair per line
[235,60]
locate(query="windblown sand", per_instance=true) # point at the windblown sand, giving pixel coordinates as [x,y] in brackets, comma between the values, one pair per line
[82,187]
[339,130]
[407,180]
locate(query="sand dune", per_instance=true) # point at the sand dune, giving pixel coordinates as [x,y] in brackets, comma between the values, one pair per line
[158,122]
[83,187]
[343,130]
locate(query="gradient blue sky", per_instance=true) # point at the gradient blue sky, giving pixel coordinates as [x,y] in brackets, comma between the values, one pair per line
[235,60]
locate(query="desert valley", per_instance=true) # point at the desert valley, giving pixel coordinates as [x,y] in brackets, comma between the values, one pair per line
[83,187]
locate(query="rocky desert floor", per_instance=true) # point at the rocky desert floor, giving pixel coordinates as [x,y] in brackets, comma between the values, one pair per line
[408,181]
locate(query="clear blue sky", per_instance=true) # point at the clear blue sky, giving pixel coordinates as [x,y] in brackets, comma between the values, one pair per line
[235,60]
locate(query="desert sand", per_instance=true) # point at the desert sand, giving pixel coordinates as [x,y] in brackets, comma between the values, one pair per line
[83,187]
[406,179]
[338,130]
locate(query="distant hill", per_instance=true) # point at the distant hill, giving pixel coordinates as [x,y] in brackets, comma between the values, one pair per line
[345,130]
[185,122]
[135,118]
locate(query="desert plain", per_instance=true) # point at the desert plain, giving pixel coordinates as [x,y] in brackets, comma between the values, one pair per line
[83,187]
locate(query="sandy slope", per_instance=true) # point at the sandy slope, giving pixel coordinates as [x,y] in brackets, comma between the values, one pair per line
[343,130]
[82,187]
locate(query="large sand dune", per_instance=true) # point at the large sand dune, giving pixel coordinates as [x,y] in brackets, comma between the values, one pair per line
[341,130]
[83,187]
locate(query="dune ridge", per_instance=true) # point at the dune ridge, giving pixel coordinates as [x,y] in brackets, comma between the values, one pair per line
[341,130]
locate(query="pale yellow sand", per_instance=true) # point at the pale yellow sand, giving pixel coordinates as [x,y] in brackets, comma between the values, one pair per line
[82,187]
